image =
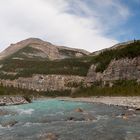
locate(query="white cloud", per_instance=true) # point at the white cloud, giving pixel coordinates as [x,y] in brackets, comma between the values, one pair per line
[64,22]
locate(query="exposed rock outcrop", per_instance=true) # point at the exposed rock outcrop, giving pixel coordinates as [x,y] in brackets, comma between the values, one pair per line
[44,82]
[92,75]
[12,100]
[122,69]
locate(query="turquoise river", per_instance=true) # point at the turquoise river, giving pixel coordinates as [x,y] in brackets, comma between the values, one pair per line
[94,122]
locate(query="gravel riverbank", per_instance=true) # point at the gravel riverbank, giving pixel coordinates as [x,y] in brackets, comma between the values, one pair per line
[120,101]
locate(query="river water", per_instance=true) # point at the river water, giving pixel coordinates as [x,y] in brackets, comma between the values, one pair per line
[97,121]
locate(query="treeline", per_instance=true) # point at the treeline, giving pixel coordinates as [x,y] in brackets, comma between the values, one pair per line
[130,50]
[26,68]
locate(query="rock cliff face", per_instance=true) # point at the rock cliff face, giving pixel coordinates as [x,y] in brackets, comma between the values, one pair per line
[122,69]
[45,82]
[92,75]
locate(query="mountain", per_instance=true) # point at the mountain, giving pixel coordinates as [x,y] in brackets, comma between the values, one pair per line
[34,48]
[117,46]
[39,66]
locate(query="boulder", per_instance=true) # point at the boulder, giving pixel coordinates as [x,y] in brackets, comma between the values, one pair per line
[9,123]
[137,109]
[90,118]
[49,136]
[76,119]
[3,112]
[124,116]
[70,118]
[79,110]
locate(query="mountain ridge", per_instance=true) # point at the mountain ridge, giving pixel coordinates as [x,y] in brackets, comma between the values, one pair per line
[65,70]
[51,51]
[33,42]
[116,46]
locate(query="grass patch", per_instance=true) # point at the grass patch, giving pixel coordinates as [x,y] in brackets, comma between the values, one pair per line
[120,88]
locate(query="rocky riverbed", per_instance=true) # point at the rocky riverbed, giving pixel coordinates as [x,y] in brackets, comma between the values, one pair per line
[52,119]
[12,100]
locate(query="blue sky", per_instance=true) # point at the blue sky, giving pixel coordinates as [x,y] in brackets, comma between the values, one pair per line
[131,26]
[87,24]
[125,29]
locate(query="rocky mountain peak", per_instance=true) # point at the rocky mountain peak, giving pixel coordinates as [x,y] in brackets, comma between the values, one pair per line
[35,48]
